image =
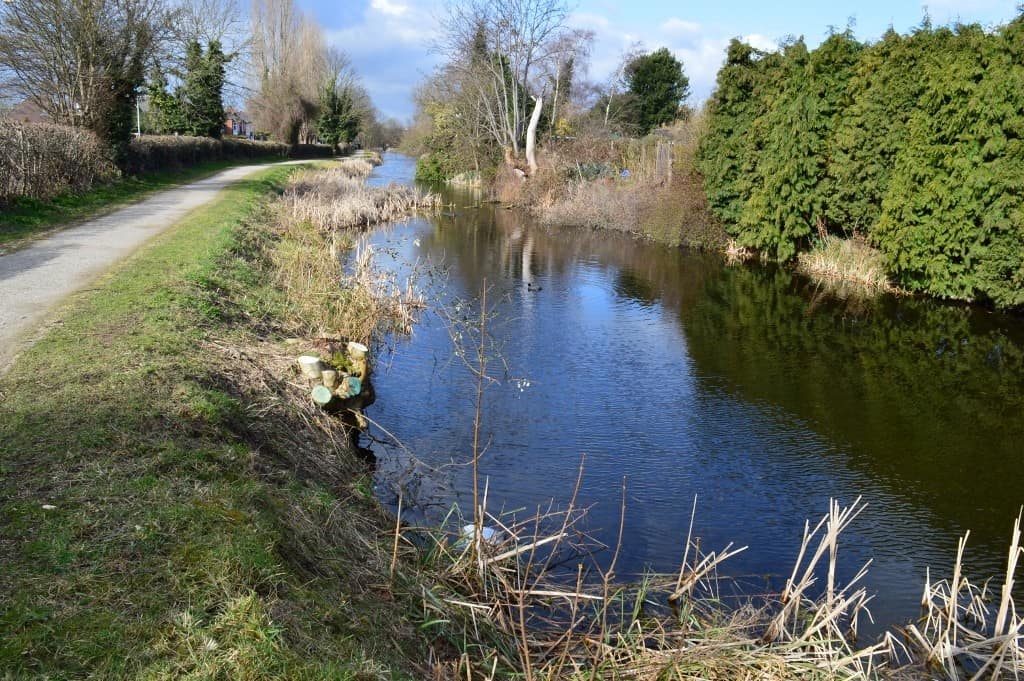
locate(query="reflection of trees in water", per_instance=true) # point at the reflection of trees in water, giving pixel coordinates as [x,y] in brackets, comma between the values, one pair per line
[929,395]
[491,241]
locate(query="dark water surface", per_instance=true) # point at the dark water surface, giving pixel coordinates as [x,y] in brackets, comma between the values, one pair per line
[744,386]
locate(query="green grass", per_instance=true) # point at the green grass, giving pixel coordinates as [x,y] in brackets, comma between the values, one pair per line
[25,218]
[151,525]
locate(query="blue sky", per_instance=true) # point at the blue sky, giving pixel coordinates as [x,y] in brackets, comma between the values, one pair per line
[389,40]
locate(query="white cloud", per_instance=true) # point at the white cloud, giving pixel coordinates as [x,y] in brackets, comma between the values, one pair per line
[675,26]
[390,49]
[390,8]
[761,42]
[701,48]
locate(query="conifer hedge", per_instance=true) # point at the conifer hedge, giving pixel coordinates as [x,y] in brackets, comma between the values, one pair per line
[915,141]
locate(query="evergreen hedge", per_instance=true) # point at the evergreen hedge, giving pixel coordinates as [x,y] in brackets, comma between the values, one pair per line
[172,152]
[915,141]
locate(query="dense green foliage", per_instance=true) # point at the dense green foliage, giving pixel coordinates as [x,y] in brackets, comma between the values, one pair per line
[914,141]
[728,151]
[196,107]
[339,120]
[657,87]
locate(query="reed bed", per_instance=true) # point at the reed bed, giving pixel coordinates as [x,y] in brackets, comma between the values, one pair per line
[515,606]
[851,261]
[336,198]
[317,221]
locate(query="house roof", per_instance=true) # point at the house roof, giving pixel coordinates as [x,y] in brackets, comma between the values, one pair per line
[27,111]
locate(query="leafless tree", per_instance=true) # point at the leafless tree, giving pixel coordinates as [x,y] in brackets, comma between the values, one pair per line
[496,48]
[81,61]
[616,83]
[289,62]
[568,64]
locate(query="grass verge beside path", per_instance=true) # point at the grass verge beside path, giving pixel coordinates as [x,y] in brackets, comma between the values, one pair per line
[163,512]
[27,218]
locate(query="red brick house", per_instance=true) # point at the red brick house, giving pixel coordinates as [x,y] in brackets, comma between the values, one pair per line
[236,124]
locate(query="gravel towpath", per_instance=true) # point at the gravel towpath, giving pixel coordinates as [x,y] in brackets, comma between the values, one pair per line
[36,278]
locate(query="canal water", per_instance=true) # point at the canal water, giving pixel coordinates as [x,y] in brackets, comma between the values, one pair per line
[743,386]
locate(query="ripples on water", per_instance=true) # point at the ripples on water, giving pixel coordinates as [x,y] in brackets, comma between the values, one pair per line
[742,386]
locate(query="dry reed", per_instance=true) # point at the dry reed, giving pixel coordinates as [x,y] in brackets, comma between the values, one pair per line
[532,623]
[316,219]
[850,261]
[336,198]
[957,633]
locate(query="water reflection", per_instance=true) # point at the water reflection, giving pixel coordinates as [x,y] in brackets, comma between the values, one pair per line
[743,386]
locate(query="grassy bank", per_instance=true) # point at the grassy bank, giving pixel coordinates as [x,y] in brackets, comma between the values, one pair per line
[169,509]
[25,217]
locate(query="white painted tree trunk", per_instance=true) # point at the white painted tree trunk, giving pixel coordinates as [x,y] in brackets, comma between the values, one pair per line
[531,136]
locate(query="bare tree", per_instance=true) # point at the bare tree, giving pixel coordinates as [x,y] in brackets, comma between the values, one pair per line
[568,63]
[616,83]
[496,49]
[289,61]
[81,61]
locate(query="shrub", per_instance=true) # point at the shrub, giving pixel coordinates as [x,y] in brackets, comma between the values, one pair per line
[41,160]
[585,183]
[172,152]
[311,151]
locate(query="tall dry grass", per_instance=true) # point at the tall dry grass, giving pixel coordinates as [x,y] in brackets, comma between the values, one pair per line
[960,635]
[40,160]
[317,221]
[337,198]
[526,615]
[836,261]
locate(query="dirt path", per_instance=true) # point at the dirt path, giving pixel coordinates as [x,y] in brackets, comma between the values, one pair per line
[34,279]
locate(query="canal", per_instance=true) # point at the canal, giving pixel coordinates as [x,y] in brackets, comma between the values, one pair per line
[746,387]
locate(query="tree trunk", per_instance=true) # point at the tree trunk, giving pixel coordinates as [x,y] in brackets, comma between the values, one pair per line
[531,136]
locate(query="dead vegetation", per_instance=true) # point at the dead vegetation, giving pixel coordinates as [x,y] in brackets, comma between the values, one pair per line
[511,597]
[839,262]
[336,198]
[649,187]
[315,223]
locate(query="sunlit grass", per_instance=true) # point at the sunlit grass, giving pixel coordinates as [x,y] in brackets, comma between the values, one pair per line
[165,513]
